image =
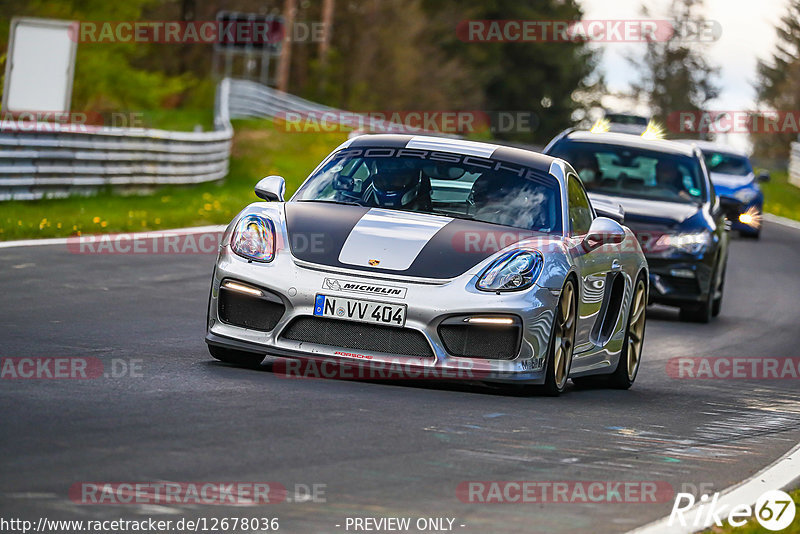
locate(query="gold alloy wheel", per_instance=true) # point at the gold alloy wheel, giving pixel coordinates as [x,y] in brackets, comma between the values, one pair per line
[636,329]
[564,340]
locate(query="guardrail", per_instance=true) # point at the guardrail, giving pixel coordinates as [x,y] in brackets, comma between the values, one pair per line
[794,165]
[250,99]
[52,160]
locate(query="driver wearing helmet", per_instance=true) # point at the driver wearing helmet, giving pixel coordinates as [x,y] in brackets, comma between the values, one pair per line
[399,184]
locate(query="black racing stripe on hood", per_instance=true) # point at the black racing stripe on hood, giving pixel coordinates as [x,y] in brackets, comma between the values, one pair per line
[461,245]
[317,232]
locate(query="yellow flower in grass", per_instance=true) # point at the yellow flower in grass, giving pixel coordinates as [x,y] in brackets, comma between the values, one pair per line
[104,224]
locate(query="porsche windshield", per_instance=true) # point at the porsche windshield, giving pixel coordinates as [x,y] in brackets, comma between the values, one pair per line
[441,183]
[634,172]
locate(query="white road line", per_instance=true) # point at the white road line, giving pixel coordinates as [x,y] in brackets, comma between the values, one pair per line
[134,235]
[779,475]
[791,223]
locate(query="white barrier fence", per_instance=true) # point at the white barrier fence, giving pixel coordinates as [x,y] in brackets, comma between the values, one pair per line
[52,160]
[250,99]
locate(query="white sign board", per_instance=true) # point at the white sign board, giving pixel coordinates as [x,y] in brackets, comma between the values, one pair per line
[40,65]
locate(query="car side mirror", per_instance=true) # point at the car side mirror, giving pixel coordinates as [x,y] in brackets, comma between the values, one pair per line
[763,176]
[603,231]
[271,188]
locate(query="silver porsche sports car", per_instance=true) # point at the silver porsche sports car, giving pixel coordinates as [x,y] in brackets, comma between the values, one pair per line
[441,258]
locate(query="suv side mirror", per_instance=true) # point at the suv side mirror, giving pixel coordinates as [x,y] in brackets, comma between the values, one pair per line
[763,176]
[603,231]
[271,188]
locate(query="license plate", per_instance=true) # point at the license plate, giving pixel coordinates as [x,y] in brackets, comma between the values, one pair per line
[365,311]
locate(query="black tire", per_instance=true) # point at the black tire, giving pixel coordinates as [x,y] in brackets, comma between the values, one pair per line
[697,313]
[751,235]
[236,357]
[716,307]
[552,385]
[704,311]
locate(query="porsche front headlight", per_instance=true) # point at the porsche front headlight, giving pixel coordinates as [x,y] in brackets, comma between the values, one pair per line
[254,238]
[688,242]
[512,271]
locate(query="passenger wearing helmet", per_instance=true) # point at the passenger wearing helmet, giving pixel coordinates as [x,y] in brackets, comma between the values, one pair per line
[399,184]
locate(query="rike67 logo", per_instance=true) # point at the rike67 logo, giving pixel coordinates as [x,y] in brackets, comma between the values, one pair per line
[774,510]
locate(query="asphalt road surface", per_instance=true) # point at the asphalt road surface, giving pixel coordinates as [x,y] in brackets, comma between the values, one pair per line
[377,449]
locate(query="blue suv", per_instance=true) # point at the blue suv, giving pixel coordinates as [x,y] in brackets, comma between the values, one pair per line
[737,186]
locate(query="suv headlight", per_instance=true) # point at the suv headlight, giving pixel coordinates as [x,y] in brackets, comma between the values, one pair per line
[254,238]
[512,271]
[689,242]
[745,195]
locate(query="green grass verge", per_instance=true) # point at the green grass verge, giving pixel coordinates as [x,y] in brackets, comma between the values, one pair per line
[781,197]
[259,150]
[753,527]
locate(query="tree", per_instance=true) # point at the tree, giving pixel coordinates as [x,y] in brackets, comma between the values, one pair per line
[778,84]
[549,79]
[674,74]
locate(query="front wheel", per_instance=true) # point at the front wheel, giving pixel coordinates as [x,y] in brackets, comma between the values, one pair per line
[562,341]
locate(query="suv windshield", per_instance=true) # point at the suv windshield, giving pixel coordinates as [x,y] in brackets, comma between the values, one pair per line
[440,183]
[634,172]
[727,163]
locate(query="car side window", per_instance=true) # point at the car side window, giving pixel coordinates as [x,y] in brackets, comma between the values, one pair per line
[580,211]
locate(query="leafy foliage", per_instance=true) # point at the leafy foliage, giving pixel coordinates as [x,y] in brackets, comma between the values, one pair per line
[675,74]
[777,84]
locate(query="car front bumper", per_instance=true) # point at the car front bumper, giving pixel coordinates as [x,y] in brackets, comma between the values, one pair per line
[679,281]
[430,305]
